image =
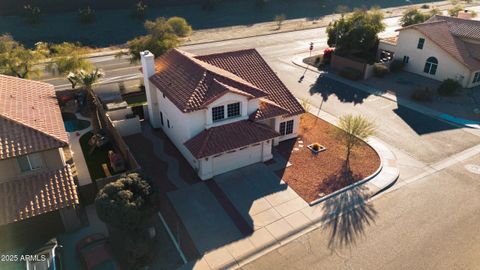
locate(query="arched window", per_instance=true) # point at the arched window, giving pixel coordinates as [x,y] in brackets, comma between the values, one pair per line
[431,66]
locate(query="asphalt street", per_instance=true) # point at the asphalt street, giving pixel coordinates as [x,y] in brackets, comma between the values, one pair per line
[429,223]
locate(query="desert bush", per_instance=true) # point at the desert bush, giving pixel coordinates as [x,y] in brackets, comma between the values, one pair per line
[351,74]
[449,87]
[422,94]
[86,15]
[425,6]
[32,14]
[380,70]
[396,65]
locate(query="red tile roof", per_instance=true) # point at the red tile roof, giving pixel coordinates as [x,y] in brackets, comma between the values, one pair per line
[452,34]
[268,109]
[35,194]
[250,66]
[30,118]
[227,137]
[190,83]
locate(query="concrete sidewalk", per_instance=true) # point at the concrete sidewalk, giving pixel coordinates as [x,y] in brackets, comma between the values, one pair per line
[277,214]
[298,61]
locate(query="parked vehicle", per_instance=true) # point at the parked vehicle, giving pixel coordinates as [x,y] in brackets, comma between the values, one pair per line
[48,257]
[94,253]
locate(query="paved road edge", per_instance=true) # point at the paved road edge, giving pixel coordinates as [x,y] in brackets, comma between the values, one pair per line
[404,102]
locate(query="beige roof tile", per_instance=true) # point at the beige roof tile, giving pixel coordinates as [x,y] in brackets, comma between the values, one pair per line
[35,194]
[30,118]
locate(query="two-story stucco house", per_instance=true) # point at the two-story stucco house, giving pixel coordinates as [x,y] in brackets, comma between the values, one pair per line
[222,111]
[37,189]
[440,48]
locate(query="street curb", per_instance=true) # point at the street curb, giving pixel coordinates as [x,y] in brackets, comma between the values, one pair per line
[298,61]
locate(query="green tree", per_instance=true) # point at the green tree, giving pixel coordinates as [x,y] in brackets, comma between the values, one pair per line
[68,57]
[180,26]
[356,32]
[16,60]
[87,80]
[126,204]
[161,37]
[353,130]
[413,16]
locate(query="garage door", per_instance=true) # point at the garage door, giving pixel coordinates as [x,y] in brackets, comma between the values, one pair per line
[237,159]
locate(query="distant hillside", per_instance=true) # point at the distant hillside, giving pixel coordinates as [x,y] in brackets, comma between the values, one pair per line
[15,7]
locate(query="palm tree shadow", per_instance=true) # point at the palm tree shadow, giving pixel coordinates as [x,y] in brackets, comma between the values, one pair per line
[348,214]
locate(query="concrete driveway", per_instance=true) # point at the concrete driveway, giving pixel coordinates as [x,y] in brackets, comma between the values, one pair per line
[271,209]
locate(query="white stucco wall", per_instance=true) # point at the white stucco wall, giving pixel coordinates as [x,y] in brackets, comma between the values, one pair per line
[296,123]
[448,66]
[226,99]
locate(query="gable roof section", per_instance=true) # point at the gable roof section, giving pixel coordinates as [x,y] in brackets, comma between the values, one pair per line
[267,109]
[450,34]
[463,28]
[190,83]
[250,66]
[32,195]
[228,137]
[30,118]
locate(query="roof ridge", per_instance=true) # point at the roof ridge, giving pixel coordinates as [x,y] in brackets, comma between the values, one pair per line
[27,80]
[32,128]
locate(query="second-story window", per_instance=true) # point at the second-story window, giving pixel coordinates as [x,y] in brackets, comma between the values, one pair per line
[233,110]
[218,113]
[30,162]
[421,42]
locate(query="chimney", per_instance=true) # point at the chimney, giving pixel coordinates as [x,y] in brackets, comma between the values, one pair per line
[148,63]
[148,69]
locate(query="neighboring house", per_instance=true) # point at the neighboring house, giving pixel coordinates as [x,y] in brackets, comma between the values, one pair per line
[222,111]
[37,189]
[440,48]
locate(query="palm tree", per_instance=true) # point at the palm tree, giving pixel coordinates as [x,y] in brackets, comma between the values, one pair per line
[353,130]
[87,80]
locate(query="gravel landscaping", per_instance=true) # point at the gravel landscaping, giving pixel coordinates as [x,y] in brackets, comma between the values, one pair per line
[323,173]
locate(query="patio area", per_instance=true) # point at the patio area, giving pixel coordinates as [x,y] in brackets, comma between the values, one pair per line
[315,175]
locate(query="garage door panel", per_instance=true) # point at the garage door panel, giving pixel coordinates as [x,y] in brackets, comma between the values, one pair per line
[237,159]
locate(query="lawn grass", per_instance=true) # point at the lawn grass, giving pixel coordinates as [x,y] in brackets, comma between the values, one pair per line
[97,158]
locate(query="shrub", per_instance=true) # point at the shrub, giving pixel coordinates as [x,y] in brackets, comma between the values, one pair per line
[327,55]
[180,26]
[396,65]
[425,6]
[422,94]
[351,74]
[87,15]
[316,146]
[449,87]
[279,20]
[455,10]
[380,70]
[139,10]
[126,204]
[32,14]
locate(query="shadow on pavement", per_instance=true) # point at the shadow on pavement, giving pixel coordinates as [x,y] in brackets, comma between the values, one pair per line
[347,215]
[421,123]
[326,87]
